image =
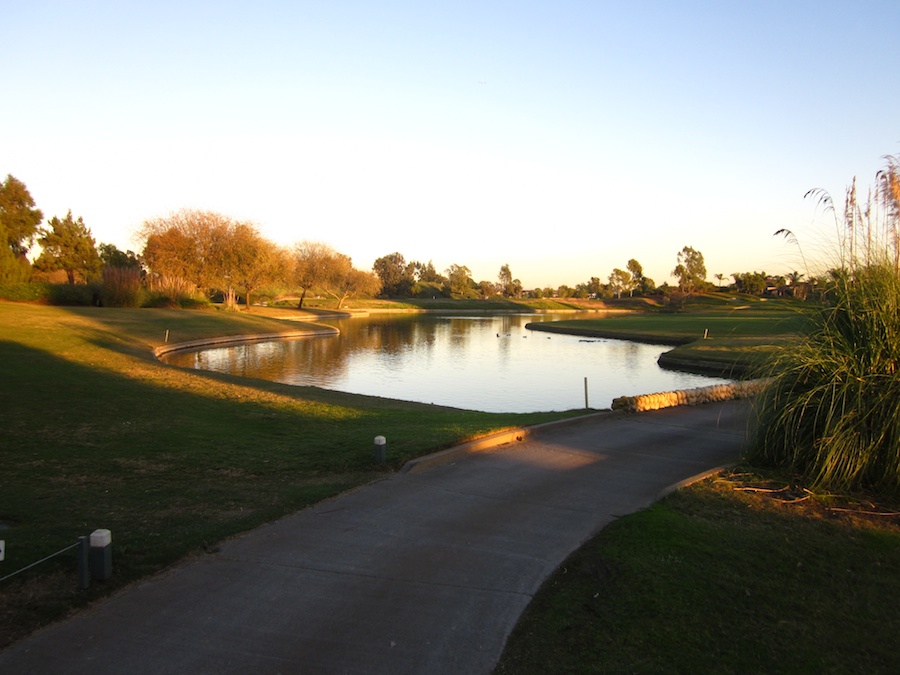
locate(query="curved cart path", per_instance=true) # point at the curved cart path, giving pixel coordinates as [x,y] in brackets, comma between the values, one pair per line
[423,572]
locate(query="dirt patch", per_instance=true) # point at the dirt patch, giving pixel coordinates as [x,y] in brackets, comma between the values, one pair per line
[852,510]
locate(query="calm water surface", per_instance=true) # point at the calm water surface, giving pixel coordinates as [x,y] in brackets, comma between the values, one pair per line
[489,363]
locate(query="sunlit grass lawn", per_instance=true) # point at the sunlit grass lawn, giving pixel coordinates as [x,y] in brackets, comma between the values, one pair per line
[681,328]
[722,580]
[96,433]
[728,341]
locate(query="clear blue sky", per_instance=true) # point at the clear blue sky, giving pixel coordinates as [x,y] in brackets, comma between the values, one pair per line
[563,138]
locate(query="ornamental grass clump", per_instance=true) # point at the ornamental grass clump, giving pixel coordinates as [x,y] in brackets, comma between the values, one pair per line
[831,414]
[122,287]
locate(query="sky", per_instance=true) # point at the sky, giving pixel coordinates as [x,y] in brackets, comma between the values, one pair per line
[562,138]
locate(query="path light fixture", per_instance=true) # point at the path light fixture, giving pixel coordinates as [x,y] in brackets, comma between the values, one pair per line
[380,449]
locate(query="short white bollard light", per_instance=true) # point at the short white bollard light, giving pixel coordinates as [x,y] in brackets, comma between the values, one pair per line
[101,554]
[380,449]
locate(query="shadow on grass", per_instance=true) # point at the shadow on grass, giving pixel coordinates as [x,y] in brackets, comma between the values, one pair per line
[172,461]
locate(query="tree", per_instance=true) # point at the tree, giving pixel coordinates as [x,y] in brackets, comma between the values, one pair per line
[312,266]
[187,246]
[637,275]
[643,285]
[250,261]
[506,281]
[168,258]
[750,282]
[426,272]
[112,256]
[13,268]
[19,220]
[459,278]
[397,277]
[486,288]
[691,270]
[619,281]
[719,277]
[594,287]
[345,281]
[68,245]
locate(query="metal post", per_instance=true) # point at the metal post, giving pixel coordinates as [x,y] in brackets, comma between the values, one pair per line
[586,404]
[84,568]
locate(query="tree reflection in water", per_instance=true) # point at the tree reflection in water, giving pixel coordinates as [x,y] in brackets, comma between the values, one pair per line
[489,363]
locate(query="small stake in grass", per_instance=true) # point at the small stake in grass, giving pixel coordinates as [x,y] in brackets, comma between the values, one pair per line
[705,333]
[380,449]
[167,335]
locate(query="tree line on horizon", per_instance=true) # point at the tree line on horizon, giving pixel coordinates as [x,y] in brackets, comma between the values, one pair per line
[201,253]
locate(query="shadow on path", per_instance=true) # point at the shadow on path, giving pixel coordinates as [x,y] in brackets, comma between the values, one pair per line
[424,572]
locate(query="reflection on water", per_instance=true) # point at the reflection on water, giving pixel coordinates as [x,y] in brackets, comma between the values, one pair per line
[489,363]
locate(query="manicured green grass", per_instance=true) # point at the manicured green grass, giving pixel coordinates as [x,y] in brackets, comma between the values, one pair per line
[687,327]
[728,342]
[96,433]
[720,580]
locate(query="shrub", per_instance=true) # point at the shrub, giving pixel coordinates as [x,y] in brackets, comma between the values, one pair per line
[172,292]
[194,303]
[83,295]
[25,292]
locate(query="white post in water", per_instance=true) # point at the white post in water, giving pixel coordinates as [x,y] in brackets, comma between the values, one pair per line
[586,405]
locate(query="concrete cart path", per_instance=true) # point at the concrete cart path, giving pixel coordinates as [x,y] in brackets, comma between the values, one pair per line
[423,572]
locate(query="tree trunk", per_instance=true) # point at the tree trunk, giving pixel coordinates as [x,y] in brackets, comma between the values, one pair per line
[302,296]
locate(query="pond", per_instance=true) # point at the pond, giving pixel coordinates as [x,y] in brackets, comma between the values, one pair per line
[490,363]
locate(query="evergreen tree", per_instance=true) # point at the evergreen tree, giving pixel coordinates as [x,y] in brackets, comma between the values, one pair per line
[68,245]
[19,220]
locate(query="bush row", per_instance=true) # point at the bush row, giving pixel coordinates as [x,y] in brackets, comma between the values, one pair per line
[109,293]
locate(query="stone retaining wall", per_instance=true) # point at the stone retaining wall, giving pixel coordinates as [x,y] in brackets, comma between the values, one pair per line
[228,340]
[668,399]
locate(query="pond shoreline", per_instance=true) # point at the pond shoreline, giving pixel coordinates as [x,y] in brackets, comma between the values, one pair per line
[671,360]
[461,359]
